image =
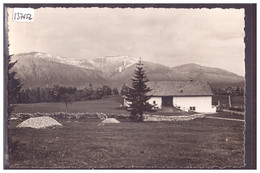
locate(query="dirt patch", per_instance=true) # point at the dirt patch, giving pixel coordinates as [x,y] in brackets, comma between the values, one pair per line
[110,121]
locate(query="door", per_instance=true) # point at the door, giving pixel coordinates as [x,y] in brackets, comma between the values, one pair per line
[167,101]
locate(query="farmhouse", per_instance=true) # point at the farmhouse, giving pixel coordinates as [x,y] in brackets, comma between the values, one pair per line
[185,95]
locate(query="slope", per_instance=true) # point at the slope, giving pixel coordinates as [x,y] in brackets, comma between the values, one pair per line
[40,72]
[216,77]
[40,69]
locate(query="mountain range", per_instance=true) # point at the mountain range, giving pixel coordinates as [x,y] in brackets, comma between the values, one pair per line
[37,69]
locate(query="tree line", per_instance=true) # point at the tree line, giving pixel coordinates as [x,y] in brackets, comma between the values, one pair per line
[60,93]
[233,91]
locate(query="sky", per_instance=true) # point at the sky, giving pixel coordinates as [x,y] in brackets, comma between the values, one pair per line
[209,37]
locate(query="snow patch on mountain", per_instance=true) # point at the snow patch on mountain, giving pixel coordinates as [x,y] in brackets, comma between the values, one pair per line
[106,64]
[113,64]
[63,60]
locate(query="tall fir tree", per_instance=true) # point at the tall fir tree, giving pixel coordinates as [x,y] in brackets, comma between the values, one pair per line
[138,94]
[14,86]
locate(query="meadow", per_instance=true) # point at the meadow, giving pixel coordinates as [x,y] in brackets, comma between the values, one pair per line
[85,143]
[200,143]
[106,105]
[111,104]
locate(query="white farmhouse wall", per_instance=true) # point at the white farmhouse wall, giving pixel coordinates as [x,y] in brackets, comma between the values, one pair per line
[201,103]
[157,100]
[126,103]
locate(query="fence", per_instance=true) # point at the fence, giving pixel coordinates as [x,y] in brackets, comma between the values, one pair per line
[233,112]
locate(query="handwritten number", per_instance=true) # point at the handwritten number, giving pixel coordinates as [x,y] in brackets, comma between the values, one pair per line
[29,16]
[21,16]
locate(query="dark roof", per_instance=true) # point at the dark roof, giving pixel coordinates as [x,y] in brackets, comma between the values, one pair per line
[180,88]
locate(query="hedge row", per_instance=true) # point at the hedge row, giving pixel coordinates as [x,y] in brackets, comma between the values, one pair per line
[63,115]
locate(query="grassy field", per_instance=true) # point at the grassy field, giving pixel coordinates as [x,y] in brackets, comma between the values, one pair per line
[107,105]
[84,143]
[227,115]
[200,143]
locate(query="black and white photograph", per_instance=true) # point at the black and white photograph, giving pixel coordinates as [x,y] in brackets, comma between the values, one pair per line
[126,87]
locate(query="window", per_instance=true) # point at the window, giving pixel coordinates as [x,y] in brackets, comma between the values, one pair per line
[192,108]
[154,102]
